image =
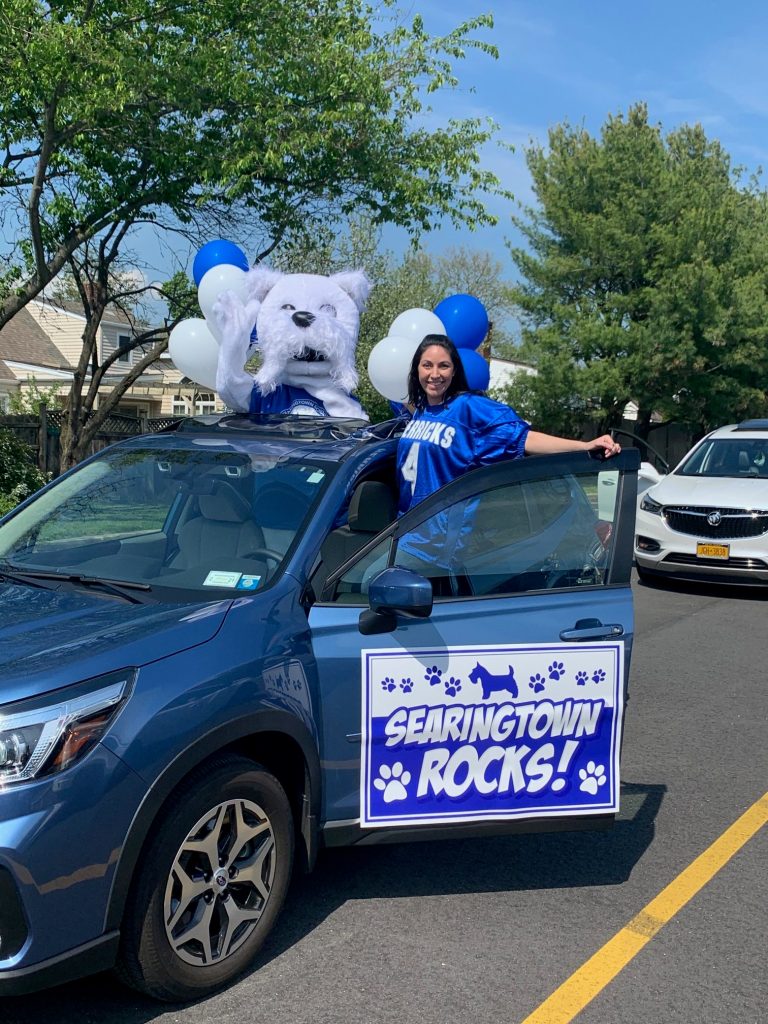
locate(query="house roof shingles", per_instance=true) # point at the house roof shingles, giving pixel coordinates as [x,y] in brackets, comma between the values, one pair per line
[22,340]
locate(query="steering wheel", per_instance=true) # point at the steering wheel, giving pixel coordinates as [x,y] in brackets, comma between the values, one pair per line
[268,553]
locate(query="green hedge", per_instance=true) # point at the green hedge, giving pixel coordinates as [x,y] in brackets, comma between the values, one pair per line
[19,477]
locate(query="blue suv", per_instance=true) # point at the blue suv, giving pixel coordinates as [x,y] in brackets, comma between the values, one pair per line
[221,651]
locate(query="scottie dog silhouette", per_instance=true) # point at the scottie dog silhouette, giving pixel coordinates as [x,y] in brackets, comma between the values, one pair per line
[491,683]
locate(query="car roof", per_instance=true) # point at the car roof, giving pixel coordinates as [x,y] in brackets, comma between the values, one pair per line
[759,427]
[324,438]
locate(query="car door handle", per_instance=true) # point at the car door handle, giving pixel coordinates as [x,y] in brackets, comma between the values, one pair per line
[593,629]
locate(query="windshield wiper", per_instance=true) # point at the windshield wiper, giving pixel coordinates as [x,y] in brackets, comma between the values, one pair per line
[29,579]
[121,588]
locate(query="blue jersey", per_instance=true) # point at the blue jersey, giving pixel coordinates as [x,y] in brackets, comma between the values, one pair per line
[286,399]
[442,442]
[439,444]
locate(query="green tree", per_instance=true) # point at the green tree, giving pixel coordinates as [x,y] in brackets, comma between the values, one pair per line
[644,279]
[155,111]
[96,278]
[33,396]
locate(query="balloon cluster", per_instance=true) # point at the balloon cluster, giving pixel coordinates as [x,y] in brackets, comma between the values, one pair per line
[193,344]
[462,317]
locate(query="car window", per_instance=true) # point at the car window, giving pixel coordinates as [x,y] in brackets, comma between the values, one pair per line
[352,586]
[522,536]
[728,457]
[195,519]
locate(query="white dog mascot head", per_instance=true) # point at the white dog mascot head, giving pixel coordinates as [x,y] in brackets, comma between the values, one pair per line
[306,326]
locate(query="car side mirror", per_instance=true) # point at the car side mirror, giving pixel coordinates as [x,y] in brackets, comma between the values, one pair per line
[395,590]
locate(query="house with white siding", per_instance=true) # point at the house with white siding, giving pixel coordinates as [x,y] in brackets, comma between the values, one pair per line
[42,344]
[503,370]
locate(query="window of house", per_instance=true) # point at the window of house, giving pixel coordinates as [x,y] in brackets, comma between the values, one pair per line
[180,406]
[123,340]
[205,403]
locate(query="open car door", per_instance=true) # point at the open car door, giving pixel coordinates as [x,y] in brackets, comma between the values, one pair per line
[473,659]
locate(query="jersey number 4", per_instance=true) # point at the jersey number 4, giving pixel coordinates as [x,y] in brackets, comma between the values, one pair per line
[411,466]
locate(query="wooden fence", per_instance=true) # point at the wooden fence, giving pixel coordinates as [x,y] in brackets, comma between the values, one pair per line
[42,433]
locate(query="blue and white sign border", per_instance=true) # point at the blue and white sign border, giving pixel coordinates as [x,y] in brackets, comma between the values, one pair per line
[545,678]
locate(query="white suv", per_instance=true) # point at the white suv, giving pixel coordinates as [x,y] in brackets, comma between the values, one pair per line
[708,519]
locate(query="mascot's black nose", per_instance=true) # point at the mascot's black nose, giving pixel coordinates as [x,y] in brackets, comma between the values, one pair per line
[303,319]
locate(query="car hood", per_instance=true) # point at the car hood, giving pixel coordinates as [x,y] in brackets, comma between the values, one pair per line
[724,492]
[50,638]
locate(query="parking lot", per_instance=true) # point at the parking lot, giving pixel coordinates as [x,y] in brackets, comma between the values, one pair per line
[488,930]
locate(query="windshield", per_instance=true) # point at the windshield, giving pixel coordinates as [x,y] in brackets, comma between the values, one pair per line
[728,457]
[200,519]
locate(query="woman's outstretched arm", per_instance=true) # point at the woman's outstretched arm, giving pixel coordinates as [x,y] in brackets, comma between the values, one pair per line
[537,443]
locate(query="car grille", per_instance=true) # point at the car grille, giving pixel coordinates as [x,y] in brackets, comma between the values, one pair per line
[679,558]
[734,522]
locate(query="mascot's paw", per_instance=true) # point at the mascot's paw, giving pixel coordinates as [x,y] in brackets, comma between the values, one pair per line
[346,380]
[266,379]
[235,319]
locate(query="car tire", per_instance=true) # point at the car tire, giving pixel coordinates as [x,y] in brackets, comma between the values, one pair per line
[192,925]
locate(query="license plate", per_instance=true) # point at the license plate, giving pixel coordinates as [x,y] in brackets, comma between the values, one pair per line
[712,550]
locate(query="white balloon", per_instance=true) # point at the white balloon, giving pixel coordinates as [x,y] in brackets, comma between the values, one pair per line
[195,351]
[221,278]
[416,324]
[388,366]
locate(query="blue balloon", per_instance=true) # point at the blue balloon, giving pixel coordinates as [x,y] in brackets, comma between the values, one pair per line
[213,254]
[465,320]
[477,370]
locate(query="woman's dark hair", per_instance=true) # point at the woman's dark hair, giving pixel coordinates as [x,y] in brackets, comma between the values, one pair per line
[416,396]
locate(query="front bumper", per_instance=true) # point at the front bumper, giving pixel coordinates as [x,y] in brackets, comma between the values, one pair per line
[659,549]
[60,842]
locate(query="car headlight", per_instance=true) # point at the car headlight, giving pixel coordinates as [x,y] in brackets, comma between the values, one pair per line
[47,734]
[647,504]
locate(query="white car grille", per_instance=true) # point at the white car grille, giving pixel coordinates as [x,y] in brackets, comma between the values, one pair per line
[715,523]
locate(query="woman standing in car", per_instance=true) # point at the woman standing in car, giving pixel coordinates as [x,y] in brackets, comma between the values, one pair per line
[454,429]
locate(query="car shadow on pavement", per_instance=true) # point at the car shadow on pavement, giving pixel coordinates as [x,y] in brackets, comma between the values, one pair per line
[551,860]
[495,864]
[740,591]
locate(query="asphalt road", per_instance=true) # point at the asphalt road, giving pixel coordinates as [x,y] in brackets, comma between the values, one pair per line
[484,930]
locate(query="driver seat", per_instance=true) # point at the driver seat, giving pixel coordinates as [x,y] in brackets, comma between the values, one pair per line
[222,534]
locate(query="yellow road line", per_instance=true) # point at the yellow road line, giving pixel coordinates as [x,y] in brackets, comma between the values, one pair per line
[592,977]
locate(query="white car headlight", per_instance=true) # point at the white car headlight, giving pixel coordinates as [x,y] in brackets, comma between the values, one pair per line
[47,734]
[647,504]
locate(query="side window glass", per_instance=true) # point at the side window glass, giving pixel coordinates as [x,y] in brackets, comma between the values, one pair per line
[352,587]
[528,535]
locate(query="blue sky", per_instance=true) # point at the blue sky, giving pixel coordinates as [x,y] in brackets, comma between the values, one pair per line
[691,62]
[580,60]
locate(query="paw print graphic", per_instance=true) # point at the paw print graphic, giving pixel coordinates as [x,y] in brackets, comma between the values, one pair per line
[555,670]
[434,675]
[592,778]
[406,685]
[387,683]
[537,683]
[598,675]
[452,686]
[581,678]
[392,782]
